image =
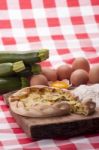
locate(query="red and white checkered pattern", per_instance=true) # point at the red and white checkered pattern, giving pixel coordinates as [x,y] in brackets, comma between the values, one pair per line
[69,29]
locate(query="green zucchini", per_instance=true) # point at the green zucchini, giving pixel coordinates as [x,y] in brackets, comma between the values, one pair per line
[27,57]
[30,70]
[36,69]
[8,69]
[25,73]
[12,83]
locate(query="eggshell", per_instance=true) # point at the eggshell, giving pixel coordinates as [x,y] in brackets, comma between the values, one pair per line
[38,80]
[81,63]
[94,74]
[79,77]
[64,71]
[50,74]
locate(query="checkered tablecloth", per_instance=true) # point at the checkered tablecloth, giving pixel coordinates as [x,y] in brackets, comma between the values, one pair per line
[69,29]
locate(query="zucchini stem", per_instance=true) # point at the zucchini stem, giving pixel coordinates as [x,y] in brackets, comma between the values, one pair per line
[18,66]
[35,69]
[43,54]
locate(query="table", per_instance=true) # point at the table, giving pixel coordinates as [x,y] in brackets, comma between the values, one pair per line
[69,29]
[12,137]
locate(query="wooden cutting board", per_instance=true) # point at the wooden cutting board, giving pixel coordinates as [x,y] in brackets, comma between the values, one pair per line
[64,126]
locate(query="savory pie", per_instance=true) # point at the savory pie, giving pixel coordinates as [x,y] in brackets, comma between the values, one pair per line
[43,101]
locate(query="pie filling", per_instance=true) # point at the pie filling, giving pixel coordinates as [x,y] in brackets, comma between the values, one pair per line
[34,96]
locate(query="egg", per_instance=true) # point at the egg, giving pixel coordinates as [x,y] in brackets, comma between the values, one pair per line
[79,77]
[94,74]
[38,80]
[50,74]
[64,71]
[60,84]
[81,63]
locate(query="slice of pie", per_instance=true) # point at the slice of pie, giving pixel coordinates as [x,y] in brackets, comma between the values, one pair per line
[43,101]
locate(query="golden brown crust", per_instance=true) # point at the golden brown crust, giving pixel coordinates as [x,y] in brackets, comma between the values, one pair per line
[43,101]
[37,109]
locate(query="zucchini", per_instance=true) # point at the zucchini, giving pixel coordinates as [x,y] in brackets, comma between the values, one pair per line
[24,82]
[27,57]
[30,70]
[35,69]
[8,69]
[9,84]
[25,73]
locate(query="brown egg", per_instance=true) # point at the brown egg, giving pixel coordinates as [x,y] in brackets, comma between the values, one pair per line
[38,80]
[94,74]
[64,72]
[81,63]
[50,74]
[79,77]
